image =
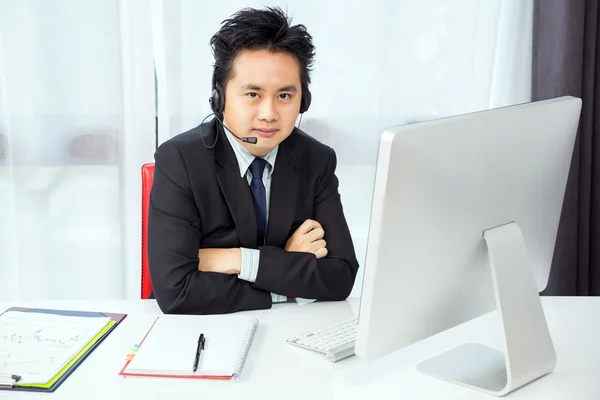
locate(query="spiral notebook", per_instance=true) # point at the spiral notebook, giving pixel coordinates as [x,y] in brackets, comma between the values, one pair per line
[169,348]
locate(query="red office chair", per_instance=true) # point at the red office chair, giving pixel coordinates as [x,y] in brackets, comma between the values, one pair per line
[147,179]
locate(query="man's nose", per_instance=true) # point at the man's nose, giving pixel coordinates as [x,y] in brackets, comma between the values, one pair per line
[267,111]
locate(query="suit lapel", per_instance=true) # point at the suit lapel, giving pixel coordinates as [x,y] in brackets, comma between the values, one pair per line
[236,191]
[284,194]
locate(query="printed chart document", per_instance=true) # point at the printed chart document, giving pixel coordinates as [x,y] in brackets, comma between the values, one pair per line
[37,346]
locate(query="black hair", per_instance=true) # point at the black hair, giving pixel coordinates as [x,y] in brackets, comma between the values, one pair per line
[268,29]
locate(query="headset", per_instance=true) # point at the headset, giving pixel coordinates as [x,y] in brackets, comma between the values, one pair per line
[217,105]
[217,100]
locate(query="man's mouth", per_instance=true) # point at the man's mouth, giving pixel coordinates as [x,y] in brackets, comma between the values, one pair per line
[266,132]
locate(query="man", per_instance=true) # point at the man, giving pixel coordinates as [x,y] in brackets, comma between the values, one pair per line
[245,209]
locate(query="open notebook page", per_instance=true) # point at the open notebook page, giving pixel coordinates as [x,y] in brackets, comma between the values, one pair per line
[170,346]
[36,346]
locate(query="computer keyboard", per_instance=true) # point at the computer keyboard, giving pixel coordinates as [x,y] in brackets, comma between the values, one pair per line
[335,341]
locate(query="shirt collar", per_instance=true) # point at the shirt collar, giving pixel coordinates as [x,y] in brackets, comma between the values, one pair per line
[245,158]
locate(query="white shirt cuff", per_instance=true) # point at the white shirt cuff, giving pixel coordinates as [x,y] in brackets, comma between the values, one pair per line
[277,298]
[249,269]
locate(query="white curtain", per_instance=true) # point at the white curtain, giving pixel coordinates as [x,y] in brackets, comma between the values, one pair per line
[76,123]
[77,111]
[378,64]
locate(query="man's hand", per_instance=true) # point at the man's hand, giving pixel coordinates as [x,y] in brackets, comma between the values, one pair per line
[224,261]
[308,238]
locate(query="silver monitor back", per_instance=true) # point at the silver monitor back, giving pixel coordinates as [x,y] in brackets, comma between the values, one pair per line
[439,186]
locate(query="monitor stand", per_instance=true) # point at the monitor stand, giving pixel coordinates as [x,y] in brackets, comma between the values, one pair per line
[528,349]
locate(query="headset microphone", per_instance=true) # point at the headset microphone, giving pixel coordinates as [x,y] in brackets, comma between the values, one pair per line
[251,140]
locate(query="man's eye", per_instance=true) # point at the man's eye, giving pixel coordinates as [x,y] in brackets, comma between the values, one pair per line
[252,95]
[284,96]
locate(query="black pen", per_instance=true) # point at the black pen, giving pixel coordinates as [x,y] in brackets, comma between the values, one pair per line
[198,349]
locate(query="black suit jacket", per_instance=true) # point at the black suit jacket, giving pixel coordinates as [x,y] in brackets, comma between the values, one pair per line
[199,200]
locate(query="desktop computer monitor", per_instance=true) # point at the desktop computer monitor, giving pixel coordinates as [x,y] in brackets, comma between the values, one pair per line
[464,221]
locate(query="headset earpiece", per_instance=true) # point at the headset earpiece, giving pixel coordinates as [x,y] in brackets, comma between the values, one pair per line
[305,102]
[217,100]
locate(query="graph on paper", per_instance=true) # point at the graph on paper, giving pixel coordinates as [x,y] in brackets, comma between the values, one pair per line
[37,346]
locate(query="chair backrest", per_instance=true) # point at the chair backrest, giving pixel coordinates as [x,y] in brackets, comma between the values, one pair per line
[147,179]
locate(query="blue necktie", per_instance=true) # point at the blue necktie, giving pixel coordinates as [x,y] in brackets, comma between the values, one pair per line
[260,198]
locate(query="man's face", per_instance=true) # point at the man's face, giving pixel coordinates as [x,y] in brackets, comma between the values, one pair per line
[262,99]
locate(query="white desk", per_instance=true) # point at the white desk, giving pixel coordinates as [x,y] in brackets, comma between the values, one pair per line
[275,370]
